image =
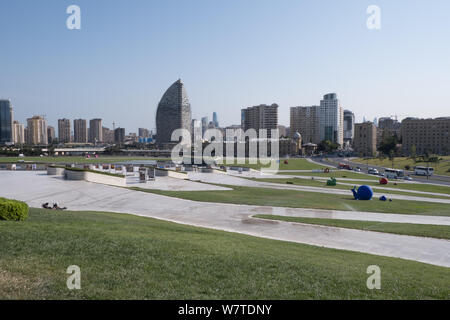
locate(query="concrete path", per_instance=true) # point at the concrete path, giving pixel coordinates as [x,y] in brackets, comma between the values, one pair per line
[172,184]
[36,188]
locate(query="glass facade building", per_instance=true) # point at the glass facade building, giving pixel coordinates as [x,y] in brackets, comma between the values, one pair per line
[6,121]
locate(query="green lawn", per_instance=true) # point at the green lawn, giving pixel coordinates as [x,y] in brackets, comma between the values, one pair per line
[129,257]
[293,164]
[442,168]
[404,188]
[420,230]
[303,199]
[337,174]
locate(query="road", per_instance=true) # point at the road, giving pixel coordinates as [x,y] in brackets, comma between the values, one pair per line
[435,179]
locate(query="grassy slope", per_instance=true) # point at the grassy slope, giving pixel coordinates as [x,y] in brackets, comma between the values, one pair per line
[129,257]
[405,189]
[399,163]
[293,164]
[420,230]
[302,199]
[337,174]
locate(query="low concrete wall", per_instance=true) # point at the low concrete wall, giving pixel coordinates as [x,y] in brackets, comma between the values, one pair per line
[95,177]
[177,175]
[161,173]
[52,171]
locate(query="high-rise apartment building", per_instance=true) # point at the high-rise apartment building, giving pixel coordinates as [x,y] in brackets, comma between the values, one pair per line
[215,120]
[390,126]
[37,131]
[80,131]
[260,117]
[64,130]
[51,134]
[427,135]
[119,135]
[305,120]
[95,131]
[331,119]
[196,130]
[205,123]
[143,133]
[6,122]
[18,133]
[365,139]
[108,135]
[349,127]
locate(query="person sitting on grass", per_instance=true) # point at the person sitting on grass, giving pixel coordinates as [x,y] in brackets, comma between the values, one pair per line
[55,207]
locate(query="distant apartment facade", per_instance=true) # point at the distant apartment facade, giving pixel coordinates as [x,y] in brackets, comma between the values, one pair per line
[51,134]
[119,135]
[64,131]
[95,131]
[37,131]
[349,127]
[365,139]
[107,135]
[6,122]
[143,133]
[18,133]
[305,121]
[260,117]
[80,131]
[331,119]
[390,126]
[427,135]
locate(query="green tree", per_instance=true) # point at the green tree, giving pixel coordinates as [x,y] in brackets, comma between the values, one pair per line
[388,144]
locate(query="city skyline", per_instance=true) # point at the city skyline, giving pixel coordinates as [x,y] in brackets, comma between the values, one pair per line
[87,73]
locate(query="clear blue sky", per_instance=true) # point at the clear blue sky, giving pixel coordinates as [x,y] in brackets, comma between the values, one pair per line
[230,54]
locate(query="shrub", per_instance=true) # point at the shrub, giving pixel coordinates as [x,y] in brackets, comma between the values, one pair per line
[407,167]
[13,210]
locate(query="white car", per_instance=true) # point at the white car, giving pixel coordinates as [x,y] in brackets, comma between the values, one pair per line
[357,170]
[408,178]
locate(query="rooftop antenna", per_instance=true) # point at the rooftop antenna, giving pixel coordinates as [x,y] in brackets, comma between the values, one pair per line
[114,126]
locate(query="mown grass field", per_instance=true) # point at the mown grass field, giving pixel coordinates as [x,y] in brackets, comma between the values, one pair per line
[129,257]
[441,168]
[337,174]
[419,230]
[304,199]
[402,188]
